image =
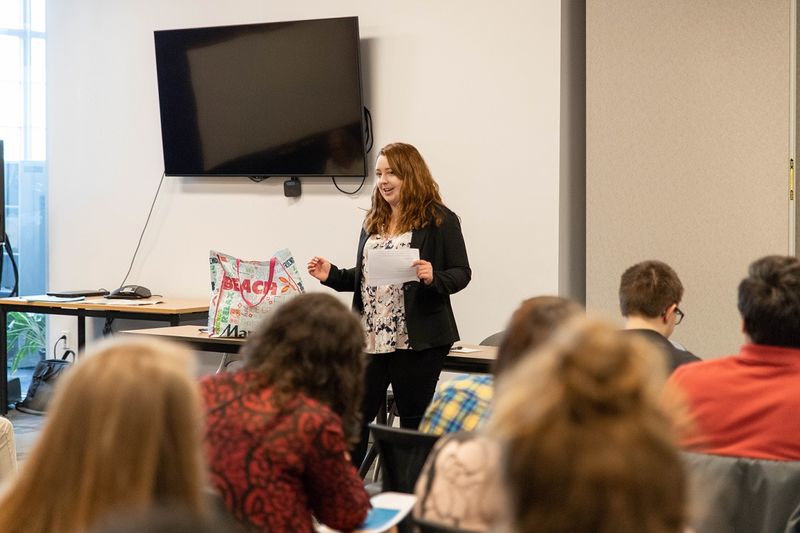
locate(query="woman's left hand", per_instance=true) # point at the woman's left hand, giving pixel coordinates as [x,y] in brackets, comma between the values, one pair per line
[424,271]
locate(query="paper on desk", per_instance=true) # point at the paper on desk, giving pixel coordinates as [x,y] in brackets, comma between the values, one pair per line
[388,509]
[390,267]
[463,349]
[52,299]
[118,301]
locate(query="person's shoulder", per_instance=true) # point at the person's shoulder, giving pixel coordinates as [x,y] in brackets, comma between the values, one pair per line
[700,370]
[466,448]
[446,212]
[315,414]
[444,218]
[685,357]
[473,384]
[217,384]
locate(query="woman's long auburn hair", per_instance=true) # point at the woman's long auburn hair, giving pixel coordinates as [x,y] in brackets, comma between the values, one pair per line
[586,444]
[312,345]
[124,433]
[420,201]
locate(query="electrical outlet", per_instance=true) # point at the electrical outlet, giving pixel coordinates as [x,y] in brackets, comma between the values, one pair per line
[66,344]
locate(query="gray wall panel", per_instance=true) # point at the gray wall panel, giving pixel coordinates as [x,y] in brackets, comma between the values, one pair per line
[687,150]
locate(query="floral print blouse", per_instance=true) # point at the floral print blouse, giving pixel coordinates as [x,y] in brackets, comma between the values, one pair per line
[384,316]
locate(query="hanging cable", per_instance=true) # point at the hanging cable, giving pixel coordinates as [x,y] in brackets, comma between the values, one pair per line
[146,222]
[10,252]
[369,141]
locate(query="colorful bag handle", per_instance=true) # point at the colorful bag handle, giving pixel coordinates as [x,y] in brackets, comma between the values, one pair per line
[272,261]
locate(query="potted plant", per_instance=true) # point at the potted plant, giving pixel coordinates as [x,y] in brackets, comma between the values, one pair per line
[27,334]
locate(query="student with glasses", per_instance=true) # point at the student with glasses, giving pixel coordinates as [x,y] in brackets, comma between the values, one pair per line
[649,295]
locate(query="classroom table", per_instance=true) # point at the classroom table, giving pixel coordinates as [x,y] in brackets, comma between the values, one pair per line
[170,310]
[478,361]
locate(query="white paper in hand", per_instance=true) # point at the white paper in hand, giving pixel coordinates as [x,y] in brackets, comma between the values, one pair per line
[391,267]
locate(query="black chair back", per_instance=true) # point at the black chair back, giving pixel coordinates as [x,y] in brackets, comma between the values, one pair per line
[744,495]
[493,340]
[403,453]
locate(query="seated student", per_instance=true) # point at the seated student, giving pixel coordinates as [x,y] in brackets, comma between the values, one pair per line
[278,431]
[649,295]
[462,404]
[8,450]
[585,446]
[123,433]
[746,404]
[456,487]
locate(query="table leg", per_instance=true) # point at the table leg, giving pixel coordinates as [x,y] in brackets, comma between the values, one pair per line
[81,332]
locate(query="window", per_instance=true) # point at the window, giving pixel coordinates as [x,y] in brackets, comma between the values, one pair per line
[22,129]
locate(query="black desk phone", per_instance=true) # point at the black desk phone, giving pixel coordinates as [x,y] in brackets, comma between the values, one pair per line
[130,292]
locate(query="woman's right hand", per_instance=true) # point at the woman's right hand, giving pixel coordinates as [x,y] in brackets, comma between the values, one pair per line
[319,267]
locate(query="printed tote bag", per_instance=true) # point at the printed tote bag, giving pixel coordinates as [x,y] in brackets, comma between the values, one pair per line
[243,293]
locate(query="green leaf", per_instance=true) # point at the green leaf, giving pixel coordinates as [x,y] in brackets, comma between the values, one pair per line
[26,334]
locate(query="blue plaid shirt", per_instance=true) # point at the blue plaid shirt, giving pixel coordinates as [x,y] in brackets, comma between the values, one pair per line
[463,404]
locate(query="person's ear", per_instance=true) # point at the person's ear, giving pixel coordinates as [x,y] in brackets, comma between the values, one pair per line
[670,309]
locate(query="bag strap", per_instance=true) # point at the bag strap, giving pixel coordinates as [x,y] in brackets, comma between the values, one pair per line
[272,261]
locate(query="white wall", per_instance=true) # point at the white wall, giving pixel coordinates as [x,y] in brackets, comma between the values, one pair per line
[475,86]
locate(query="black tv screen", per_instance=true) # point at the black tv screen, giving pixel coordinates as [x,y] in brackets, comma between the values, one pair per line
[273,99]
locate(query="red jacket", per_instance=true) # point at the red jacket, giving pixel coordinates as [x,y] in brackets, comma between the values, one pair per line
[274,469]
[747,405]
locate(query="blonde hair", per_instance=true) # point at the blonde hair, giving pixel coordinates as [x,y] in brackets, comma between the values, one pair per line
[586,445]
[123,433]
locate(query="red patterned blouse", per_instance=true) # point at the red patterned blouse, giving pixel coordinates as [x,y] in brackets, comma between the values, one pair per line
[274,468]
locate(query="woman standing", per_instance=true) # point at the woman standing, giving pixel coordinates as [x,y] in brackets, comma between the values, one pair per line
[410,327]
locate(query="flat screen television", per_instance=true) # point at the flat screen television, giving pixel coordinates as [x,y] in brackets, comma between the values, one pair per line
[272,99]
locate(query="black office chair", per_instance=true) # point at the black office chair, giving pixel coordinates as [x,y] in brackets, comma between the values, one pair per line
[493,340]
[744,495]
[403,453]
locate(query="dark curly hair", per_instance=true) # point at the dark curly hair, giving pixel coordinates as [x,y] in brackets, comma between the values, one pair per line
[769,301]
[312,345]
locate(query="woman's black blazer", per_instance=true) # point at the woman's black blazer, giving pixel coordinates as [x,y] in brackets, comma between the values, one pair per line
[429,315]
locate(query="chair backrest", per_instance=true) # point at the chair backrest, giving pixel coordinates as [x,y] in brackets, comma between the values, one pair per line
[743,495]
[493,340]
[403,453]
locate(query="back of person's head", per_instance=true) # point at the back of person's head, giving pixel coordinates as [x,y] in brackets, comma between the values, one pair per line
[123,432]
[586,447]
[648,288]
[312,345]
[531,324]
[769,301]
